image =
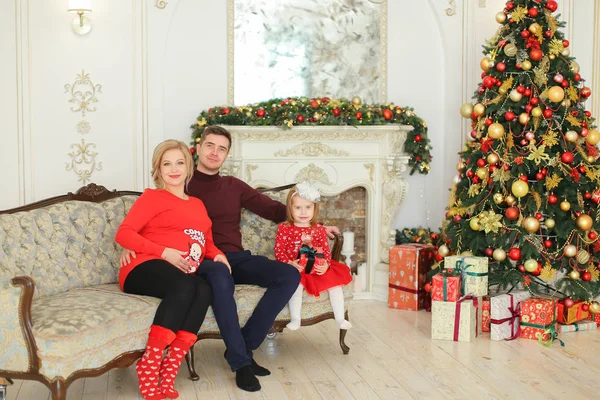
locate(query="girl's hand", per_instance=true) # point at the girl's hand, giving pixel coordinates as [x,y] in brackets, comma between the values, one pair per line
[222,259]
[331,230]
[126,256]
[321,269]
[296,264]
[175,258]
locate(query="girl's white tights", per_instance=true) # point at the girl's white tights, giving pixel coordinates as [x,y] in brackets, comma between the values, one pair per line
[336,297]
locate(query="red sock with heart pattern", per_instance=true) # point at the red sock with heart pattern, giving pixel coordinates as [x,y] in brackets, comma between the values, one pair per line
[172,361]
[148,367]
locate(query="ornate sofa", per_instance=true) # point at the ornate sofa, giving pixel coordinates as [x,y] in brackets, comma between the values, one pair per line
[63,314]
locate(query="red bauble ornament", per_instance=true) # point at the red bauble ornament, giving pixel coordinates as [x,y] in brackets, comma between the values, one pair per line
[358,115]
[569,303]
[226,111]
[538,215]
[539,176]
[536,54]
[481,162]
[592,235]
[514,254]
[418,138]
[492,168]
[512,213]
[509,115]
[489,252]
[521,89]
[524,178]
[585,92]
[506,167]
[548,34]
[510,5]
[488,82]
[587,195]
[551,5]
[427,287]
[457,218]
[534,101]
[585,306]
[588,114]
[336,112]
[525,34]
[480,90]
[325,100]
[544,171]
[192,150]
[300,118]
[527,92]
[387,114]
[564,84]
[548,243]
[314,104]
[552,199]
[488,121]
[547,113]
[533,12]
[577,77]
[500,67]
[521,268]
[528,108]
[586,276]
[260,113]
[438,256]
[565,43]
[470,173]
[581,169]
[567,157]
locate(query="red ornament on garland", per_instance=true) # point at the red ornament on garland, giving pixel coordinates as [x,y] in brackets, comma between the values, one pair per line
[552,199]
[548,243]
[226,111]
[514,254]
[512,213]
[551,5]
[358,115]
[314,104]
[592,235]
[489,82]
[587,195]
[585,92]
[536,54]
[565,43]
[533,12]
[509,115]
[567,157]
[260,113]
[418,138]
[586,276]
[300,118]
[500,67]
[525,34]
[547,113]
[510,5]
[387,114]
[336,112]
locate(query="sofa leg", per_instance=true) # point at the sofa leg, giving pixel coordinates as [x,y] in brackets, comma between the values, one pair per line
[58,389]
[189,360]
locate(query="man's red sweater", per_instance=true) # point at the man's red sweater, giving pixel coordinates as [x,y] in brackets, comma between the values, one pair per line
[159,219]
[224,198]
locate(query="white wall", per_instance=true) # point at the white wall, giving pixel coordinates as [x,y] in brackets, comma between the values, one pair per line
[159,68]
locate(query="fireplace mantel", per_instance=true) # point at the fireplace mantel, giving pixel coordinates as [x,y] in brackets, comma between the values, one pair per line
[335,159]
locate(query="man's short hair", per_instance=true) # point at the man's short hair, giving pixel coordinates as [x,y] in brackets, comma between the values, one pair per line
[215,130]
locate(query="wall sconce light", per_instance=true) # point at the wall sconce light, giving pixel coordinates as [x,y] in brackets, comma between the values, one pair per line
[81,24]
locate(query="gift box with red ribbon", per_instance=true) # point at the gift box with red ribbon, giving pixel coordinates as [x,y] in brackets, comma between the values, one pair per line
[445,287]
[505,315]
[538,318]
[459,321]
[595,318]
[485,311]
[473,271]
[310,258]
[409,266]
[570,315]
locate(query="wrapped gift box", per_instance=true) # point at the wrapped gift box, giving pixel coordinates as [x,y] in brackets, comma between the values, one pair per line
[457,321]
[578,326]
[485,314]
[538,314]
[311,258]
[445,287]
[409,266]
[570,315]
[474,272]
[594,317]
[505,315]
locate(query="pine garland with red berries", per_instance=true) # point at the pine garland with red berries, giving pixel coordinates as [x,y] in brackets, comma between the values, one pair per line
[302,111]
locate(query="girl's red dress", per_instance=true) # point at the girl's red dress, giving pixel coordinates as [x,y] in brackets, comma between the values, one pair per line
[287,244]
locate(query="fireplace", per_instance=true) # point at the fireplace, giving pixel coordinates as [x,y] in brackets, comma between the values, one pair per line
[338,160]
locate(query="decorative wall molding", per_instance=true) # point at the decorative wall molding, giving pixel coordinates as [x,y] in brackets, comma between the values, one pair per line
[161,4]
[249,169]
[311,149]
[312,174]
[83,160]
[452,10]
[83,127]
[371,168]
[83,94]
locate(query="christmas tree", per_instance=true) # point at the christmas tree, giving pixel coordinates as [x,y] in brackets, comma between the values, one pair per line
[527,192]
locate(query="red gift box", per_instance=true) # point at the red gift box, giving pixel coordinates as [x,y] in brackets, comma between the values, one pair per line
[311,258]
[409,265]
[595,318]
[537,316]
[485,320]
[445,287]
[570,315]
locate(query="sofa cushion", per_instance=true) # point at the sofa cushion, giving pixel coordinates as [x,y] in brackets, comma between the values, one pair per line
[63,246]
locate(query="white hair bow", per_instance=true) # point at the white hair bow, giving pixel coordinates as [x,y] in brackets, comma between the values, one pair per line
[308,192]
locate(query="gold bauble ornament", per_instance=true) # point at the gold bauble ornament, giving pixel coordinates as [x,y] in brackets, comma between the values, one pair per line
[530,224]
[534,28]
[565,206]
[556,94]
[595,307]
[466,110]
[584,222]
[515,96]
[502,90]
[460,166]
[530,265]
[493,158]
[510,200]
[356,101]
[566,52]
[443,250]
[479,109]
[571,136]
[519,188]
[467,253]
[526,65]
[486,63]
[483,173]
[550,223]
[496,130]
[574,67]
[536,112]
[510,50]
[583,256]
[552,56]
[574,275]
[593,137]
[591,159]
[498,198]
[474,224]
[499,255]
[500,17]
[570,250]
[523,118]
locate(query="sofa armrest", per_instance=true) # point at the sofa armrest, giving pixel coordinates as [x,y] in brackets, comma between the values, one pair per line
[336,249]
[18,350]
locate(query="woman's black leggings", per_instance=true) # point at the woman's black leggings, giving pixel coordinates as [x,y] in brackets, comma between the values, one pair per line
[185,297]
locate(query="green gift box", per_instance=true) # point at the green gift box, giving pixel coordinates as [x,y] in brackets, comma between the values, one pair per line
[474,272]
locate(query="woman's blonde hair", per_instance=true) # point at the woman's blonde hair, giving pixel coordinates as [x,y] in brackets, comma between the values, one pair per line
[160,151]
[288,212]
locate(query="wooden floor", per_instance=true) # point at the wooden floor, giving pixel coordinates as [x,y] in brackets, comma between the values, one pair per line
[391,357]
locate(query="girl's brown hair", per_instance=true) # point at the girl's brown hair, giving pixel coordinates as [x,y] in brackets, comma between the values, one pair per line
[159,152]
[288,212]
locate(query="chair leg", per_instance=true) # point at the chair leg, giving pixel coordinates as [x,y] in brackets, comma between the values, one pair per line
[58,389]
[189,360]
[345,349]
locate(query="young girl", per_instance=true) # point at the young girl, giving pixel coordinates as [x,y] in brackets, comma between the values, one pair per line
[301,229]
